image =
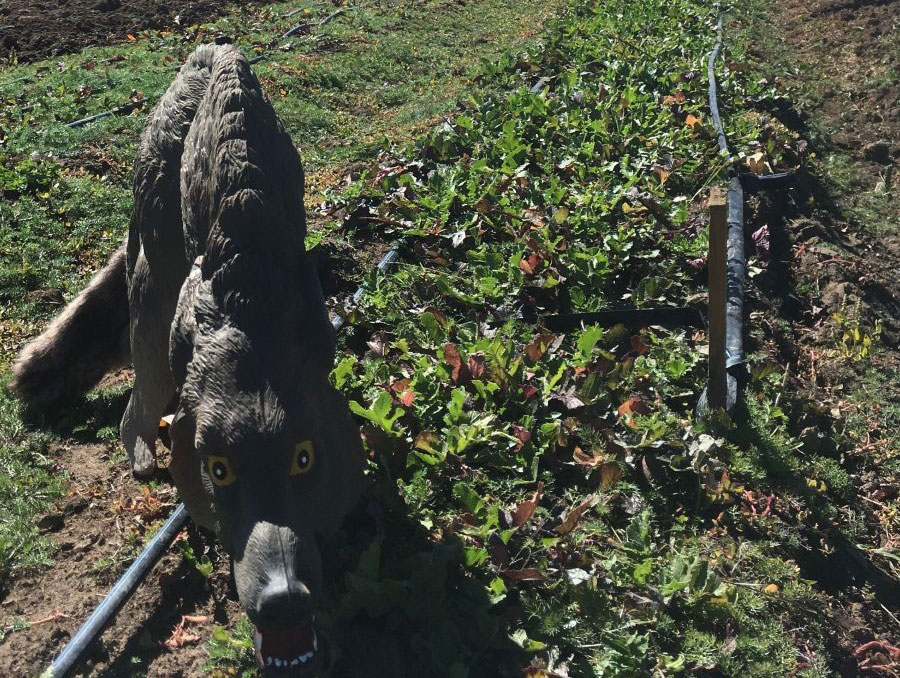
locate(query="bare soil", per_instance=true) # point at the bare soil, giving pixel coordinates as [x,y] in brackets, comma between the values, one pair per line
[30,31]
[835,244]
[97,526]
[835,241]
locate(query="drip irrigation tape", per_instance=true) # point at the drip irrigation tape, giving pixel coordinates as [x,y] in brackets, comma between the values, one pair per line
[630,317]
[338,322]
[736,266]
[119,110]
[118,595]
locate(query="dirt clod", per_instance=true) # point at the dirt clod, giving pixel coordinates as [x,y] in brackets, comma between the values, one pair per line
[878,151]
[52,522]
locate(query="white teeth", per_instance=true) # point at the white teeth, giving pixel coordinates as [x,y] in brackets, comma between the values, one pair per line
[315,642]
[257,640]
[301,659]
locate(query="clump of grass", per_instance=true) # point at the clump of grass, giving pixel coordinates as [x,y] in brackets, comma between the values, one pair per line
[231,651]
[29,482]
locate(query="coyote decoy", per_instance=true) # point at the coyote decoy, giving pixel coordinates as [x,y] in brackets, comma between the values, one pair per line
[215,301]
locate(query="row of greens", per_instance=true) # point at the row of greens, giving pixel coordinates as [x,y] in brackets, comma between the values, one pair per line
[554,502]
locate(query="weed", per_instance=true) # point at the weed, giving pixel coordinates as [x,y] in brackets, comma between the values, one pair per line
[853,341]
[231,651]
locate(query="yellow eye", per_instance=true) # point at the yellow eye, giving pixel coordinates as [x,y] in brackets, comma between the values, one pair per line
[304,458]
[220,470]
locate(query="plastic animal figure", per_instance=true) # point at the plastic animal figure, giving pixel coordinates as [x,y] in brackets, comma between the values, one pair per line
[217,304]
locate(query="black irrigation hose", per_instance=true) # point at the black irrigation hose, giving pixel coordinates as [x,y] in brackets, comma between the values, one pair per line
[119,110]
[297,29]
[713,95]
[118,595]
[629,317]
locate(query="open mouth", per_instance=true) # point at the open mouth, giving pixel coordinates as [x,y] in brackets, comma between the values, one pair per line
[289,649]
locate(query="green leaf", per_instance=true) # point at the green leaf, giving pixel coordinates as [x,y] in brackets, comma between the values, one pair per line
[467,496]
[475,556]
[380,412]
[587,340]
[343,371]
[520,638]
[497,590]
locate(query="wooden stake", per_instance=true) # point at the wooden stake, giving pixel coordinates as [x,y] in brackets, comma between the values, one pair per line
[717,388]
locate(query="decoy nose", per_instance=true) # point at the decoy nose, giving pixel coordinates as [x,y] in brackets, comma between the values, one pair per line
[283,602]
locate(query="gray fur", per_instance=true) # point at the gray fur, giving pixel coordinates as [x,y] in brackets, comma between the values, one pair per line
[226,313]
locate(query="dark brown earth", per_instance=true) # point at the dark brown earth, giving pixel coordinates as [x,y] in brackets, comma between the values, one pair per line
[100,526]
[30,31]
[835,248]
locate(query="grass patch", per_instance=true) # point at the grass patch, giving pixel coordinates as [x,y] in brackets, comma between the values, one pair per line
[29,481]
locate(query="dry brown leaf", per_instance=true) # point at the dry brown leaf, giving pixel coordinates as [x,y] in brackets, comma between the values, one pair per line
[571,520]
[634,405]
[425,441]
[610,473]
[522,434]
[526,509]
[528,574]
[672,99]
[452,358]
[529,265]
[181,637]
[538,346]
[476,366]
[438,316]
[582,458]
[638,345]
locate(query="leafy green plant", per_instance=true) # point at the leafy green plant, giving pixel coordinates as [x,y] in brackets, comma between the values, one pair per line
[381,412]
[231,651]
[853,341]
[203,564]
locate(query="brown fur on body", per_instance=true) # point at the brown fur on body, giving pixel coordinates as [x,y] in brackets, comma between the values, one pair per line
[227,314]
[89,338]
